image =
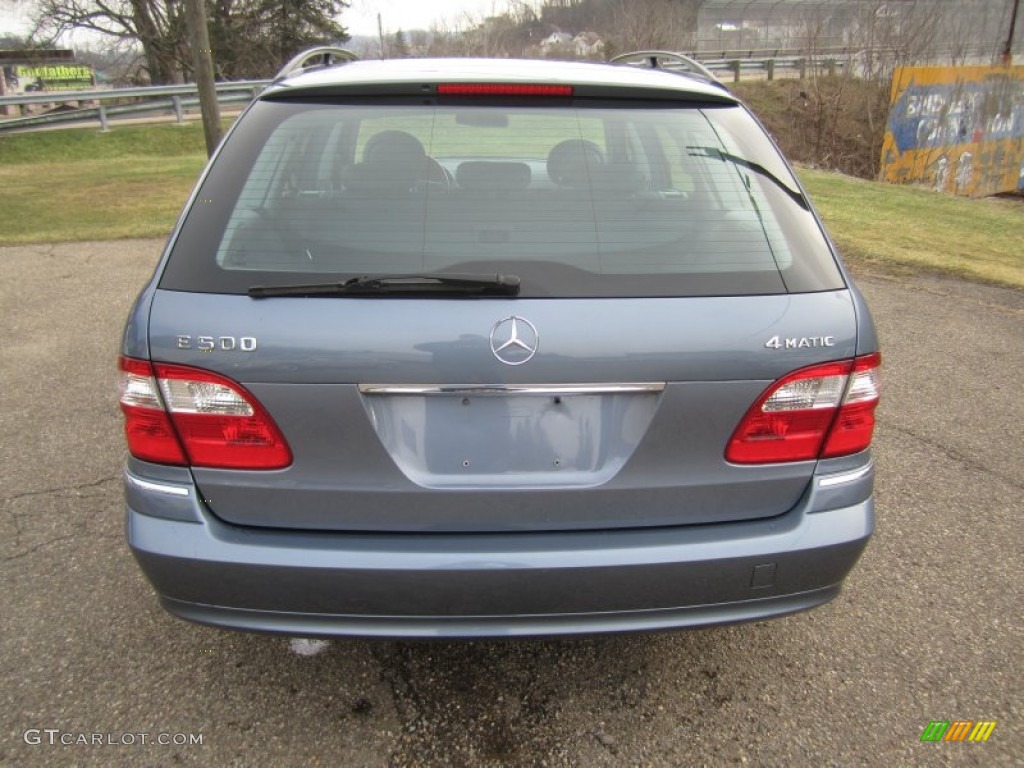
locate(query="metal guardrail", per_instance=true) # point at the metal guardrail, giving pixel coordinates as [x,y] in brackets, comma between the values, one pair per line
[800,65]
[766,67]
[146,91]
[160,99]
[728,54]
[177,99]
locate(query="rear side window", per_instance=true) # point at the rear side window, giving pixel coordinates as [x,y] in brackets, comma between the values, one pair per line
[589,200]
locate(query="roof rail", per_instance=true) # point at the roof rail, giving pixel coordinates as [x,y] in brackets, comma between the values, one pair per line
[656,60]
[315,58]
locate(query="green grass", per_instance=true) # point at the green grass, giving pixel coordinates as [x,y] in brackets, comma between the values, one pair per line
[894,227]
[81,184]
[94,199]
[168,140]
[85,185]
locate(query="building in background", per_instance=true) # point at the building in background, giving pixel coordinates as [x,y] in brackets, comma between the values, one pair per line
[914,31]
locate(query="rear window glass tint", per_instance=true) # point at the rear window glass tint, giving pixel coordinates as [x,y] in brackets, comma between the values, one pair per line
[578,201]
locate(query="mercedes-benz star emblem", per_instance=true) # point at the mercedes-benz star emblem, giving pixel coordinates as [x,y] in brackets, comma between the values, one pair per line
[514,340]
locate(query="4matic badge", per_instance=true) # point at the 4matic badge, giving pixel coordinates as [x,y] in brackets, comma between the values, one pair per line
[803,342]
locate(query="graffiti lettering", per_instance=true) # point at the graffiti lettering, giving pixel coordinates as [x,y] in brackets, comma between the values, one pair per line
[958,129]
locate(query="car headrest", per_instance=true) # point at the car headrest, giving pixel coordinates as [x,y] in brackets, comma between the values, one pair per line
[393,161]
[392,147]
[570,162]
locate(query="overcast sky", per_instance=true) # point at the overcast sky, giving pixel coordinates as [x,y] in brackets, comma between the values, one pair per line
[13,16]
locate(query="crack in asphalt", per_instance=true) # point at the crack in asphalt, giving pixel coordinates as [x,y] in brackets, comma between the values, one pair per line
[407,702]
[80,526]
[37,547]
[954,455]
[83,527]
[62,489]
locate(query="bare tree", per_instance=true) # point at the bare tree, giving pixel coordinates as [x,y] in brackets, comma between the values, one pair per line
[119,61]
[157,25]
[895,34]
[199,38]
[653,25]
[498,36]
[250,37]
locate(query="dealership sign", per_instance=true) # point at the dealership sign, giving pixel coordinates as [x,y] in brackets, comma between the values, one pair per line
[28,78]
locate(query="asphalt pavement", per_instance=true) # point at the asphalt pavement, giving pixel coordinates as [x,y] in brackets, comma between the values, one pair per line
[928,628]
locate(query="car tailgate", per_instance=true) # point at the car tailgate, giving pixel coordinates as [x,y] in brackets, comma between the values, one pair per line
[401,416]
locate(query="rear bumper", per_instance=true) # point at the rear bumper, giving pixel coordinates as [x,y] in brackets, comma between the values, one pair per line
[324,625]
[436,585]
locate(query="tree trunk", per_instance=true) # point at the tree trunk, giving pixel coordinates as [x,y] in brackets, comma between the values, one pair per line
[202,56]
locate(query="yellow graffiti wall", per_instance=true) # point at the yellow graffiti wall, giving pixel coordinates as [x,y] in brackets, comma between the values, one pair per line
[956,129]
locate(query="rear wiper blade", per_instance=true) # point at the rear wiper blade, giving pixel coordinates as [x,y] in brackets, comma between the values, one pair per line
[398,285]
[716,153]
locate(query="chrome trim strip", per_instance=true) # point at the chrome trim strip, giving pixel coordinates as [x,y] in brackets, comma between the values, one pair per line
[512,389]
[830,481]
[147,485]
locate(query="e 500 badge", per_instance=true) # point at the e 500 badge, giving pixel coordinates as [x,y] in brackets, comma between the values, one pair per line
[220,343]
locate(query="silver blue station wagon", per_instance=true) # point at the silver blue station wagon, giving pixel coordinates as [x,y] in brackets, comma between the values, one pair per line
[471,348]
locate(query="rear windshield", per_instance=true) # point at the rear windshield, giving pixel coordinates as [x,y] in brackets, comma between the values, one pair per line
[600,199]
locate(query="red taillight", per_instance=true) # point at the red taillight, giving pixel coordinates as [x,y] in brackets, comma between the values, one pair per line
[147,426]
[856,420]
[819,412]
[175,414]
[503,89]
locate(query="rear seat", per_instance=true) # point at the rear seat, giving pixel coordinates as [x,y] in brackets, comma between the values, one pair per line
[383,220]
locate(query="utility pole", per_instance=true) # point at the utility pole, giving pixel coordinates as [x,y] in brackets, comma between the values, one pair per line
[202,65]
[1008,50]
[380,33]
